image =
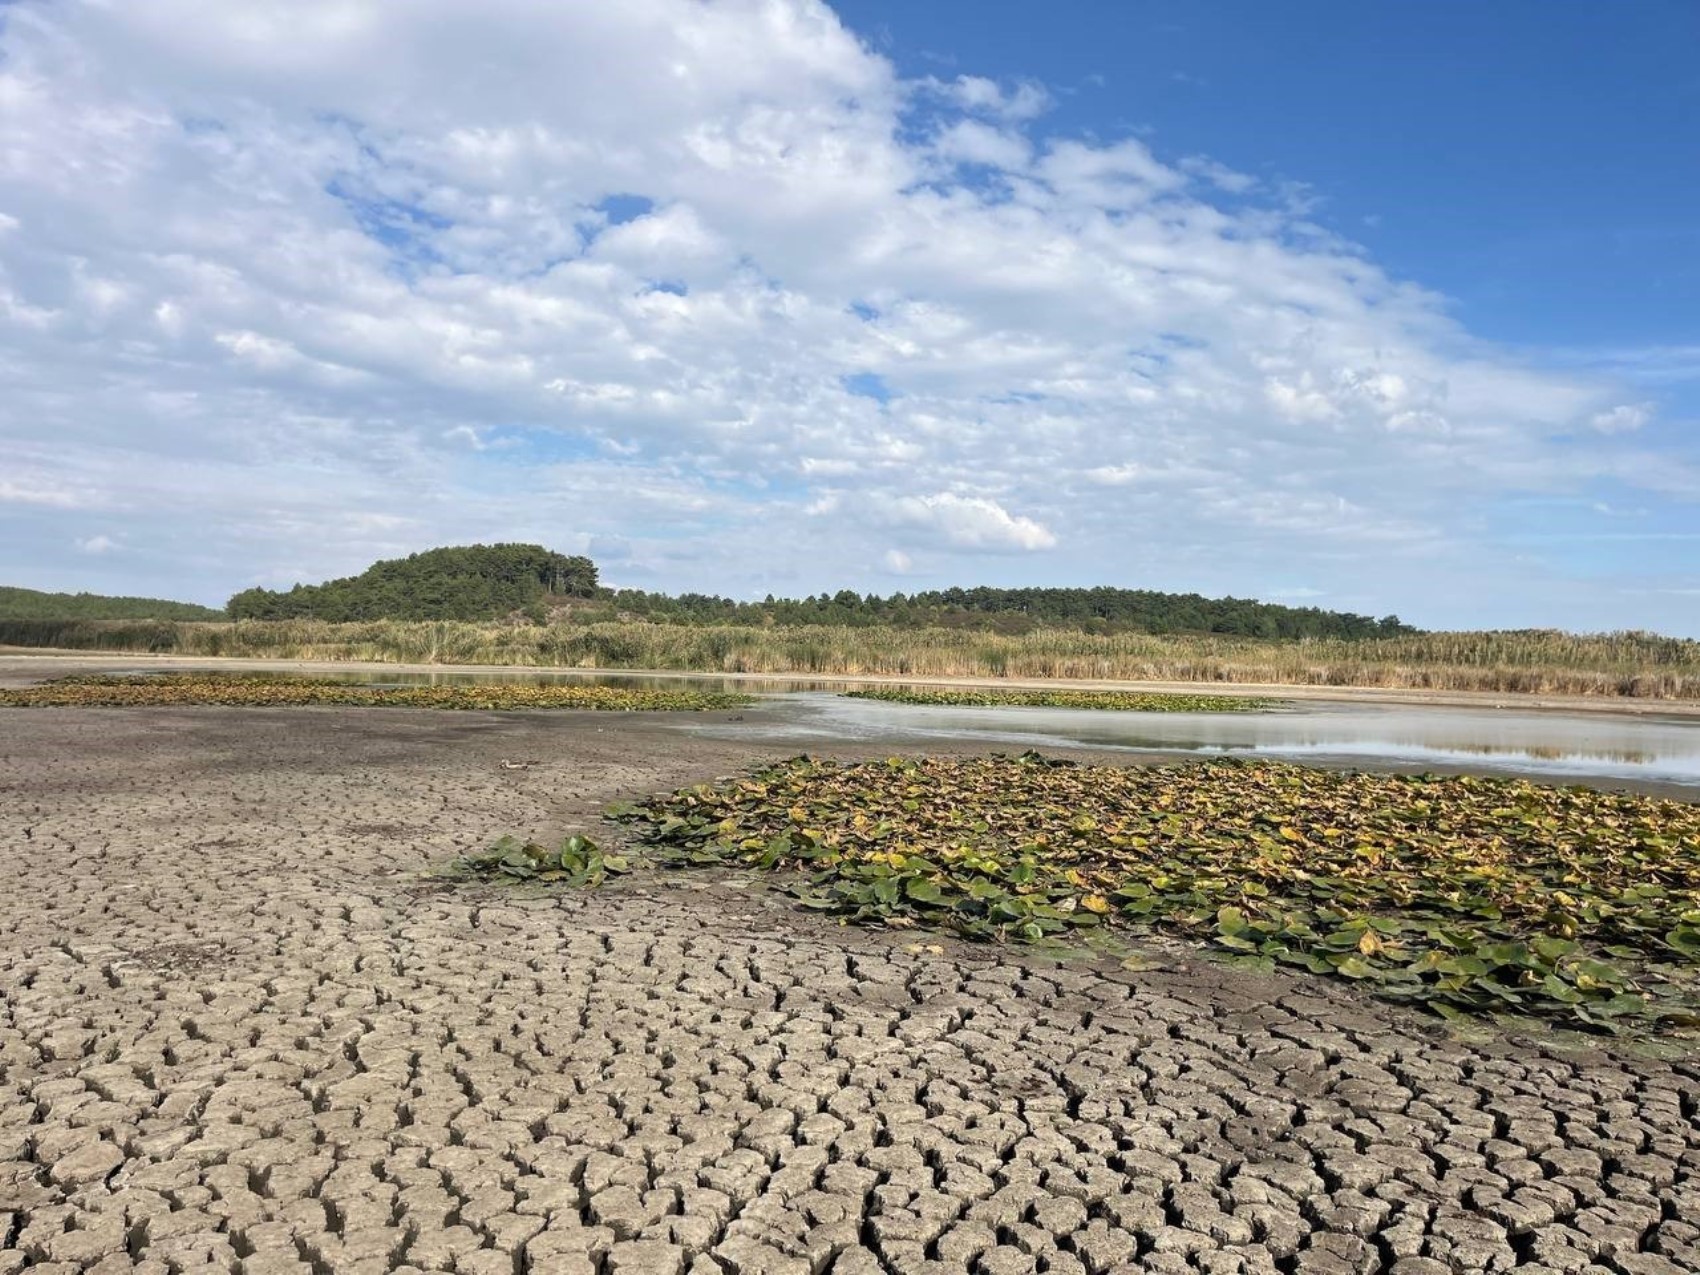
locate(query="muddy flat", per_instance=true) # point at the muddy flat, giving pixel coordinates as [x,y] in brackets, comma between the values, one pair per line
[244,1030]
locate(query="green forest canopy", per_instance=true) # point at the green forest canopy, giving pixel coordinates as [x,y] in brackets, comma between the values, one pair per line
[490,582]
[468,582]
[1096,610]
[32,604]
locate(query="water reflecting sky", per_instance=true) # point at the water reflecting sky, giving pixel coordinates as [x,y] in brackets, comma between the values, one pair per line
[1549,744]
[1555,745]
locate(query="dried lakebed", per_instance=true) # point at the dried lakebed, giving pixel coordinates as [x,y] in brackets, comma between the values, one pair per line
[242,1032]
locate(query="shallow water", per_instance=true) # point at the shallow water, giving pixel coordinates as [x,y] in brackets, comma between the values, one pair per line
[1541,744]
[1544,744]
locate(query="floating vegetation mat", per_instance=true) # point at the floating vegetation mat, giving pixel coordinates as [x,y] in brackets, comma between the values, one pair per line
[1464,895]
[1126,701]
[184,689]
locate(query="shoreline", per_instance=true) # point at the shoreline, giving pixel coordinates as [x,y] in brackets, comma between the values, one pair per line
[14,670]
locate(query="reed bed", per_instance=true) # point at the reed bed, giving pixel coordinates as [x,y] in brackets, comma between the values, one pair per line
[183,690]
[1534,662]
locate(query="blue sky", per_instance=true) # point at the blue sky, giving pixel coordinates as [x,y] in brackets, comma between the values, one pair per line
[1538,163]
[1383,308]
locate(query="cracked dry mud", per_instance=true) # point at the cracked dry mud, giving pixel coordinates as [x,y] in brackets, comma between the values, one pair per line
[240,1033]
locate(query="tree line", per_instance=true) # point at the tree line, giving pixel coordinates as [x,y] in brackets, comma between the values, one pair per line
[467,582]
[1019,610]
[529,582]
[482,582]
[32,604]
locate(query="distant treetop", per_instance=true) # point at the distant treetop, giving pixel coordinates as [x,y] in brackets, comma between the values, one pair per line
[468,582]
[30,604]
[484,582]
[1095,610]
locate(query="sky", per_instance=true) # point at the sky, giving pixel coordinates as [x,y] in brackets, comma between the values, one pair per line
[1368,307]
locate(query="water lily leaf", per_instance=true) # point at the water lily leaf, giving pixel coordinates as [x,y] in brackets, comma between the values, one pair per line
[1449,893]
[922,890]
[1140,964]
[1685,939]
[1354,967]
[1230,920]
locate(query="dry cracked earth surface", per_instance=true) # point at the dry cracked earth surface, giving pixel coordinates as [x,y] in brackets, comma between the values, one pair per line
[242,1031]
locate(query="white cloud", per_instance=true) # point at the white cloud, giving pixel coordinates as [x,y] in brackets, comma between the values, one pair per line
[965,522]
[1300,400]
[473,438]
[260,350]
[1025,100]
[29,493]
[1117,177]
[1217,174]
[898,562]
[97,544]
[285,287]
[971,142]
[1114,475]
[1623,418]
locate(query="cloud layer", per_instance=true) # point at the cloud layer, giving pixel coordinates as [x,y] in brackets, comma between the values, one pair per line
[285,287]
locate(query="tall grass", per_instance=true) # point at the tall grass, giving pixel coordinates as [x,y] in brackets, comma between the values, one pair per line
[1523,661]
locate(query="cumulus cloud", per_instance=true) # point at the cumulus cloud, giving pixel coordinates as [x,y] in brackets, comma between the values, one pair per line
[276,279]
[971,142]
[965,522]
[1024,100]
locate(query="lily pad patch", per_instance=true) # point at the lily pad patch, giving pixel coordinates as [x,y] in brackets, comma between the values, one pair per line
[1462,895]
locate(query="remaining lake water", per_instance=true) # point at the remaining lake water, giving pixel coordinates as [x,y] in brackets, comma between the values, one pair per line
[1547,744]
[1537,743]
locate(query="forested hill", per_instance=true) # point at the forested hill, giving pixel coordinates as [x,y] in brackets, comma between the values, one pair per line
[486,582]
[469,582]
[1101,609]
[31,604]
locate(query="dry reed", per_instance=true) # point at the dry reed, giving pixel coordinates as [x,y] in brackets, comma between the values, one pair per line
[1520,662]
